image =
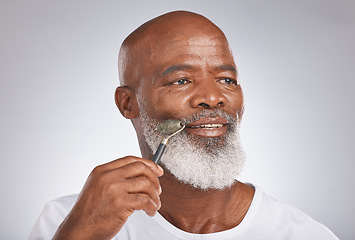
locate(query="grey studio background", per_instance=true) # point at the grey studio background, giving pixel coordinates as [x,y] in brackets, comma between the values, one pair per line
[59,120]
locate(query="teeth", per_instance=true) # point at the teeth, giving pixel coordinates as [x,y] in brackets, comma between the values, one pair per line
[208,126]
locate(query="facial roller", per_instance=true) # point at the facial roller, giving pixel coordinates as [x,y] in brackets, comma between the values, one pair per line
[166,130]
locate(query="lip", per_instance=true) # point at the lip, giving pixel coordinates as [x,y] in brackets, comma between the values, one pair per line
[208,127]
[207,121]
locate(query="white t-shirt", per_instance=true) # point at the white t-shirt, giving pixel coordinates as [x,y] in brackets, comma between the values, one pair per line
[267,218]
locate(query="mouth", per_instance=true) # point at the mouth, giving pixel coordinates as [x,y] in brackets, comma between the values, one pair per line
[208,127]
[218,125]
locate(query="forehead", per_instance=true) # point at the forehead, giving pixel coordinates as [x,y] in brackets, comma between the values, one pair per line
[202,50]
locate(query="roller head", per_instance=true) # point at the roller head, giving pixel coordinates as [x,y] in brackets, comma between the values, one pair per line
[169,126]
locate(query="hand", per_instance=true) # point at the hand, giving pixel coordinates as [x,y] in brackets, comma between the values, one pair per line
[112,192]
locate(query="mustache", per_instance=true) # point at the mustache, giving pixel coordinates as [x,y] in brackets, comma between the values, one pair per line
[209,113]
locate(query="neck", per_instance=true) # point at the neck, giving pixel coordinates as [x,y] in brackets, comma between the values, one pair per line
[199,211]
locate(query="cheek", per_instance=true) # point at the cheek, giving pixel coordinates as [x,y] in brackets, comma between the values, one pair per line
[170,105]
[236,101]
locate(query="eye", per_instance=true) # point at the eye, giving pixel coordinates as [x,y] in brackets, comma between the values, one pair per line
[181,81]
[228,81]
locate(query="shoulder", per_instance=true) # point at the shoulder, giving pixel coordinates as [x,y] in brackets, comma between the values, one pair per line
[287,220]
[60,206]
[52,215]
[65,202]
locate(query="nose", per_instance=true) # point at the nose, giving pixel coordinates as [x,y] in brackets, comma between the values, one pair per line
[208,95]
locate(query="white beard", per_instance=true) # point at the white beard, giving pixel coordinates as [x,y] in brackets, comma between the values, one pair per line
[204,163]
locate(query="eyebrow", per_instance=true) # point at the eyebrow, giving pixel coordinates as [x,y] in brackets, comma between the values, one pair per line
[227,67]
[175,68]
[224,67]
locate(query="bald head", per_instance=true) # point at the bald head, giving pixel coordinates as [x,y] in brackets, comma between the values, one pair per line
[143,47]
[174,67]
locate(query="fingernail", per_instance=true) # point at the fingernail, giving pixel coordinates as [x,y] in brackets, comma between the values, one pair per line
[161,169]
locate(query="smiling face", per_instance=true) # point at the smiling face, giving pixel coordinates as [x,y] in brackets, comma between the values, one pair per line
[180,66]
[176,66]
[187,70]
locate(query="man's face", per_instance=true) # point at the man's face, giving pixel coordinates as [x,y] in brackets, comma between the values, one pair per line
[186,75]
[194,79]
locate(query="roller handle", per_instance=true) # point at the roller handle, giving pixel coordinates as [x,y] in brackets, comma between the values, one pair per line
[159,153]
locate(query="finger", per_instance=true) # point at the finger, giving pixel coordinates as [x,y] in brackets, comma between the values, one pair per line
[142,185]
[130,159]
[138,169]
[140,201]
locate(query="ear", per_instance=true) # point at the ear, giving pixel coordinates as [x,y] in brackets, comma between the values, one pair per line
[126,102]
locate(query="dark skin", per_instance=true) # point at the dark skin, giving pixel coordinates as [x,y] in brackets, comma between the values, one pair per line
[177,64]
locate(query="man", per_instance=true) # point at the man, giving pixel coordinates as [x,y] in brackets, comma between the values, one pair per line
[177,66]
